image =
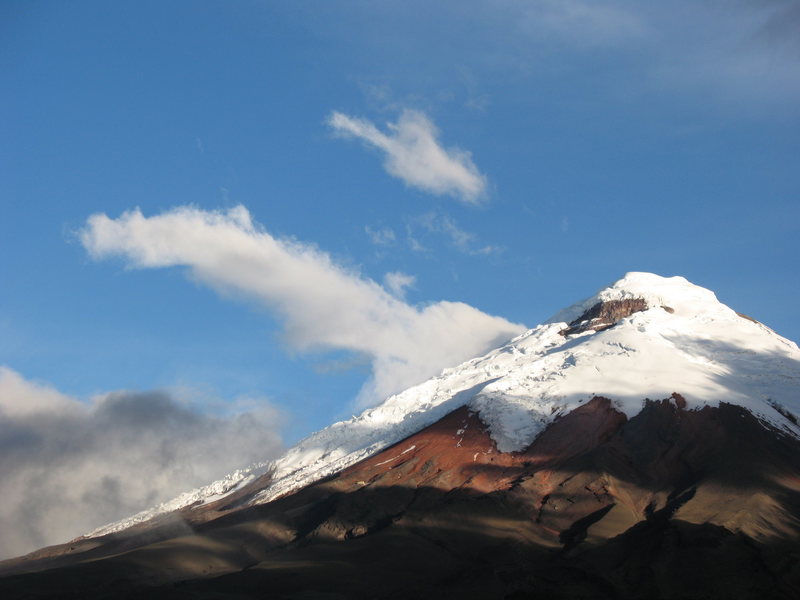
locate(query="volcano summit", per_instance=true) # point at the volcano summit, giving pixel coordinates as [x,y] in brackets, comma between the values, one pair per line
[643,443]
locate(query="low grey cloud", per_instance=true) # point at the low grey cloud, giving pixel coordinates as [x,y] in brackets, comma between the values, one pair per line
[323,305]
[70,466]
[414,155]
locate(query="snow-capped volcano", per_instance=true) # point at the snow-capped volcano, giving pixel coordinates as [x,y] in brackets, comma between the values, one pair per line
[644,337]
[643,443]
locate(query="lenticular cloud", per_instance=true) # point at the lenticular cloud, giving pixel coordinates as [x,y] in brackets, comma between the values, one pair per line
[322,304]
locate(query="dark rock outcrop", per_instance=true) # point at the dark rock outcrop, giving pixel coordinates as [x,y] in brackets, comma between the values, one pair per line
[605,314]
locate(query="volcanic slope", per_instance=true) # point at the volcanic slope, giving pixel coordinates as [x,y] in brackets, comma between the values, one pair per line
[643,444]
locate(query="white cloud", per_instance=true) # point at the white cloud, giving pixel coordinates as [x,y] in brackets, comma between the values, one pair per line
[69,467]
[414,155]
[323,305]
[397,282]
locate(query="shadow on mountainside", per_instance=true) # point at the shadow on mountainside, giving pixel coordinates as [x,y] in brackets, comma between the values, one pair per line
[470,546]
[761,370]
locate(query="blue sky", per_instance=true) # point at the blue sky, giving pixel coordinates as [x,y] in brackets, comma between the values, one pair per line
[512,156]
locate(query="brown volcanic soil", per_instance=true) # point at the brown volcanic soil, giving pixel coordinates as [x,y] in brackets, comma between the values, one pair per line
[669,504]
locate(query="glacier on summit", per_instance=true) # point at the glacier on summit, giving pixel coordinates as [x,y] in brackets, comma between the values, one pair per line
[685,341]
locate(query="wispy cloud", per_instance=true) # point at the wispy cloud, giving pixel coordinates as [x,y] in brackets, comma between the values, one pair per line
[323,305]
[381,236]
[413,241]
[69,466]
[744,55]
[584,23]
[414,155]
[741,53]
[478,103]
[458,238]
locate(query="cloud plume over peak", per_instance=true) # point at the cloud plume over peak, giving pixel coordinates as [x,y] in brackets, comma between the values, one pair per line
[322,304]
[414,155]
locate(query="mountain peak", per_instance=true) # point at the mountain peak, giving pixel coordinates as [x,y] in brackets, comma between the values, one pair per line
[675,293]
[644,337]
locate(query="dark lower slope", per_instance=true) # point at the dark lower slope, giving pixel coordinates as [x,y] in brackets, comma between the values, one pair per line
[671,504]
